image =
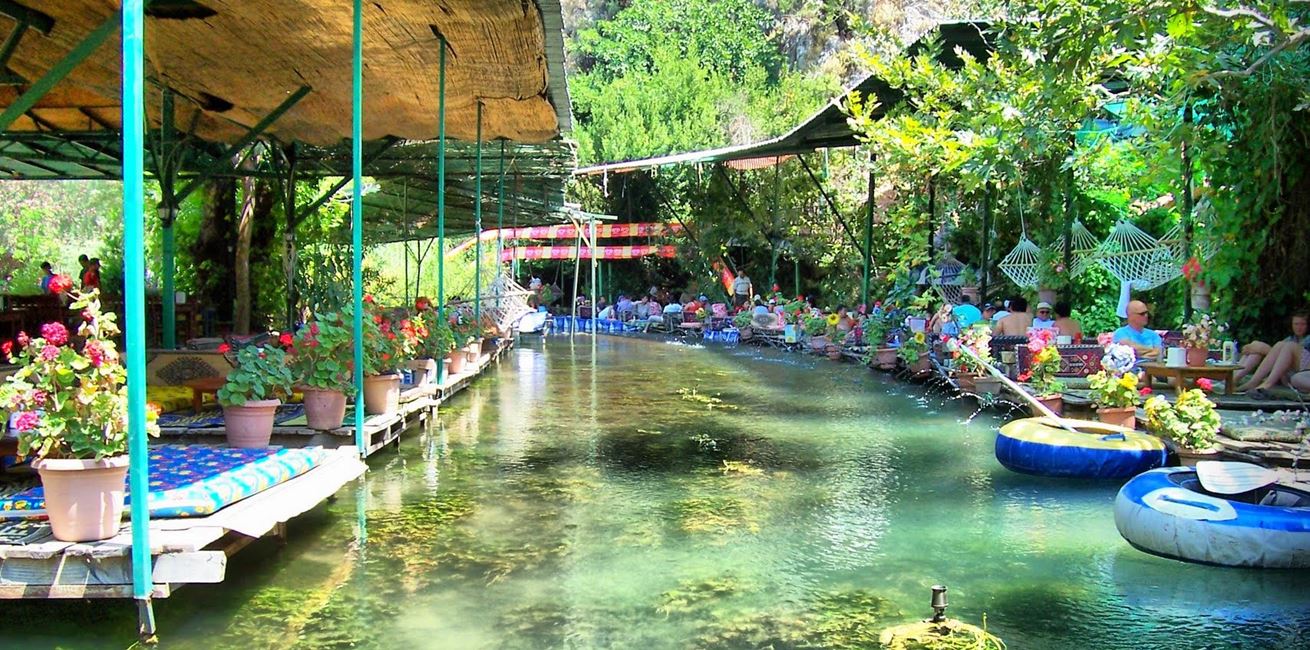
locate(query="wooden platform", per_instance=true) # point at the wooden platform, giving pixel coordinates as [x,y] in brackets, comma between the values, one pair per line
[417,405]
[186,551]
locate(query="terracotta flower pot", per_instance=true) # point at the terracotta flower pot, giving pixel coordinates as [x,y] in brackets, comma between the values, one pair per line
[987,385]
[425,371]
[473,351]
[885,358]
[819,343]
[83,498]
[456,358]
[924,364]
[966,381]
[325,410]
[1196,356]
[1189,457]
[251,425]
[1053,402]
[381,394]
[833,352]
[1125,417]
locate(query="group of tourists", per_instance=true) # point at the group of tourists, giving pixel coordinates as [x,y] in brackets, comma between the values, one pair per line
[89,277]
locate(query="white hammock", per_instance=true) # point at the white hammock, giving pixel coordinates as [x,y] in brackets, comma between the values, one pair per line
[947,281]
[1021,263]
[1204,245]
[1083,249]
[1137,258]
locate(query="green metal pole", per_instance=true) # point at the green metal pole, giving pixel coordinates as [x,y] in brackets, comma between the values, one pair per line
[167,214]
[477,227]
[357,215]
[441,189]
[134,298]
[59,70]
[1188,207]
[500,206]
[868,237]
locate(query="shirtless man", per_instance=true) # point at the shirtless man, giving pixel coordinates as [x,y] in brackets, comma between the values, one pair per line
[1018,321]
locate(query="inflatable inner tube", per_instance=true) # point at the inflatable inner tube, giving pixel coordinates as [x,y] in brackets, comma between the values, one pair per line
[1041,447]
[1166,512]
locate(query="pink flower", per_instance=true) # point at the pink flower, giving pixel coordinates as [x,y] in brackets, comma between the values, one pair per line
[94,351]
[55,333]
[7,348]
[285,340]
[1035,345]
[60,284]
[1205,384]
[38,397]
[26,421]
[49,353]
[1145,390]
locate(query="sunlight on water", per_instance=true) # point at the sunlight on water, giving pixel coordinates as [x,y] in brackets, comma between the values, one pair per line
[662,496]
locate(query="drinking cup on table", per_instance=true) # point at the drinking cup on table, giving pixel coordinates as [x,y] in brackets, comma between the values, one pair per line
[1064,340]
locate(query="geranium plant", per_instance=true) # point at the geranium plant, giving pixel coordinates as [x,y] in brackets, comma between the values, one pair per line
[1190,421]
[70,402]
[322,353]
[261,373]
[1201,333]
[1045,363]
[815,326]
[385,346]
[1115,385]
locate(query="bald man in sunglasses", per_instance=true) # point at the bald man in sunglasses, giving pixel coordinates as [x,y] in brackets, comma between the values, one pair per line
[1145,341]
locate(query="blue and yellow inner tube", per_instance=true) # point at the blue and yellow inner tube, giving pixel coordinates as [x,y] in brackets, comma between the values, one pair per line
[1040,446]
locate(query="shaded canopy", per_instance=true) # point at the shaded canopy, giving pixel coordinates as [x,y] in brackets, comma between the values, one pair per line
[231,64]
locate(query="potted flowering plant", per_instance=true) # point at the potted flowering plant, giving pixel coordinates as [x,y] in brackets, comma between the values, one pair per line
[914,351]
[1191,422]
[385,351]
[321,359]
[968,279]
[973,369]
[1200,291]
[816,328]
[1041,372]
[834,336]
[254,389]
[416,331]
[1114,387]
[1197,338]
[70,413]
[877,329]
[1052,276]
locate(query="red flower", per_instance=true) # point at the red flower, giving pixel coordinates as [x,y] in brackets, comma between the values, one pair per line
[422,304]
[1205,384]
[368,298]
[55,333]
[285,339]
[60,283]
[1146,390]
[377,318]
[313,329]
[7,348]
[1191,269]
[224,348]
[1025,376]
[386,357]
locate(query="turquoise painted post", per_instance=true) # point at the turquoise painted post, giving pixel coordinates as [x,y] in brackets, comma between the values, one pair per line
[477,227]
[357,216]
[500,206]
[441,189]
[134,297]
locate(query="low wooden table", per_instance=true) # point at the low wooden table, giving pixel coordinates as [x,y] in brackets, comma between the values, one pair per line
[1181,374]
[201,387]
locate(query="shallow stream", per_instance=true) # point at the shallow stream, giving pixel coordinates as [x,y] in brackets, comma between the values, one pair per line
[643,494]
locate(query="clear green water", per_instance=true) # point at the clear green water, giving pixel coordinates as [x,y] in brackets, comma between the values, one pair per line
[577,499]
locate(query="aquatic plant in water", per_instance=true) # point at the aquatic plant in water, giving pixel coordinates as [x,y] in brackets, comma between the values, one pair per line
[715,515]
[711,402]
[692,595]
[947,635]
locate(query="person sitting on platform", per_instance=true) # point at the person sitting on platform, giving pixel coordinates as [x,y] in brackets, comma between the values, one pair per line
[1043,320]
[1018,321]
[1144,341]
[1287,362]
[988,311]
[625,308]
[1000,310]
[1254,354]
[1065,325]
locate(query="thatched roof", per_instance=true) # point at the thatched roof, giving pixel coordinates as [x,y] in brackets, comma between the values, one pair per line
[239,63]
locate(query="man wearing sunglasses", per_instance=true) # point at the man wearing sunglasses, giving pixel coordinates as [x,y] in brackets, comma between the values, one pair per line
[1145,341]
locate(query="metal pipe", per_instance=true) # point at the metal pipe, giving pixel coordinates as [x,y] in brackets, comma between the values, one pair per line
[477,227]
[357,215]
[134,302]
[441,190]
[1188,224]
[868,239]
[500,207]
